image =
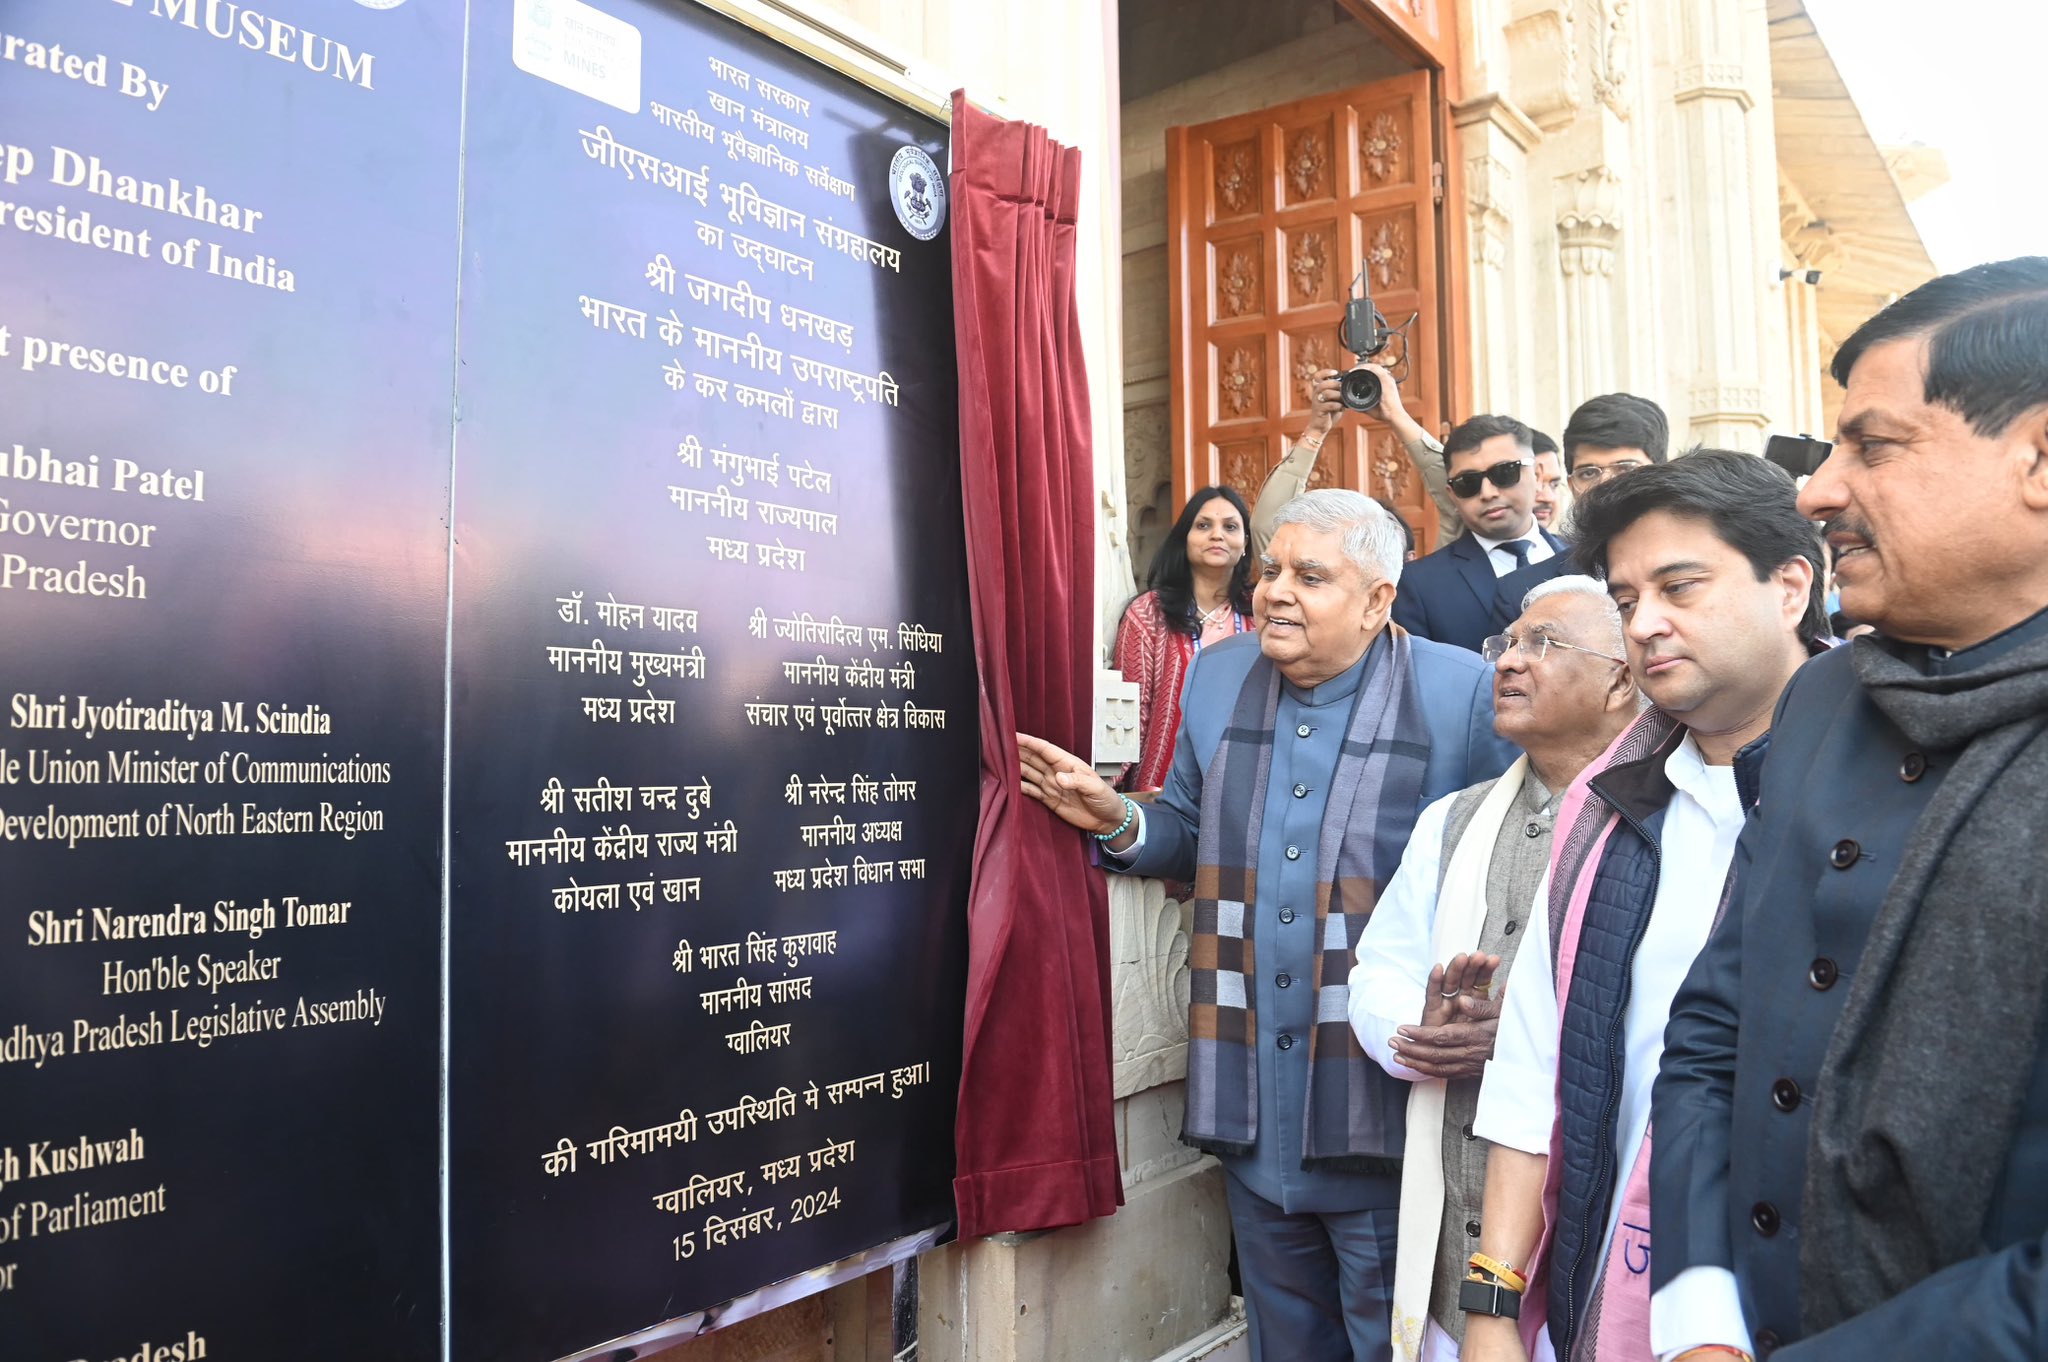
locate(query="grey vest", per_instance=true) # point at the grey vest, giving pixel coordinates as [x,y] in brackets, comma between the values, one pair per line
[1520,854]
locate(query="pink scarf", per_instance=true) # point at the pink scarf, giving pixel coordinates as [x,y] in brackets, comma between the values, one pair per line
[1621,1332]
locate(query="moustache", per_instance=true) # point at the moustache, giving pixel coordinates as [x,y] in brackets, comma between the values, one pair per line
[1849,525]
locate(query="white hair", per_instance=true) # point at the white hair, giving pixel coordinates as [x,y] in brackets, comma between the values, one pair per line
[1575,585]
[1372,538]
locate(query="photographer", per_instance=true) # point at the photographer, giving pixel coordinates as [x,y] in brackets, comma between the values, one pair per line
[1290,478]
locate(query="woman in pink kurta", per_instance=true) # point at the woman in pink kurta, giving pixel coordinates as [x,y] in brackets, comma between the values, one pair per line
[1201,592]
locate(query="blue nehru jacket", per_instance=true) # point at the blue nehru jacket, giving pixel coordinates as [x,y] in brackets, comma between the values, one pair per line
[1456,689]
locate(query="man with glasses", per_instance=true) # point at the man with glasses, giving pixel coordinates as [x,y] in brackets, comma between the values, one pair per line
[1425,991]
[1607,436]
[1716,575]
[1448,595]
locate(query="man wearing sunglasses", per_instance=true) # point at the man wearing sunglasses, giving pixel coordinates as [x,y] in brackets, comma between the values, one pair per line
[1448,596]
[1608,436]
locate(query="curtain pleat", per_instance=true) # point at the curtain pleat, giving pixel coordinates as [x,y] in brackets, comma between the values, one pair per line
[1036,1138]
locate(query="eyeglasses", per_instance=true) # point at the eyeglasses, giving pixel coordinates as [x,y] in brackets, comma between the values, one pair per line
[1592,474]
[1534,647]
[1502,475]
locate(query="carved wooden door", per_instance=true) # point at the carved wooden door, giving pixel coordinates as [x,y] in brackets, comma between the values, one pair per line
[1271,215]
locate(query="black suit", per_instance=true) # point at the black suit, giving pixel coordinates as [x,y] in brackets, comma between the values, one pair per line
[1448,596]
[1750,1028]
[1509,590]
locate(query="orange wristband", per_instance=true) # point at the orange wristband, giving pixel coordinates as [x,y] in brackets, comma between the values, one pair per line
[1501,1272]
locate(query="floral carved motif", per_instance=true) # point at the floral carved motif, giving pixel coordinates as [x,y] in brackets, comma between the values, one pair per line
[1390,469]
[1238,387]
[1243,467]
[1388,253]
[1312,355]
[1236,179]
[1308,261]
[1381,145]
[1237,286]
[1307,158]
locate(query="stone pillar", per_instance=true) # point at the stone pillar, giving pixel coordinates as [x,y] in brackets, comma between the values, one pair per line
[1725,264]
[1588,234]
[1494,138]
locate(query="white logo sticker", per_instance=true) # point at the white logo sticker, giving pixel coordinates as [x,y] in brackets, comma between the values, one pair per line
[579,48]
[919,192]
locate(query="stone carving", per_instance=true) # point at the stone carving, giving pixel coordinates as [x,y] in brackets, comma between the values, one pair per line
[1308,158]
[1588,229]
[1613,52]
[1313,354]
[1382,147]
[1240,386]
[1722,399]
[1387,253]
[1236,178]
[1713,80]
[1237,283]
[1543,58]
[1308,260]
[1148,943]
[1588,225]
[1148,483]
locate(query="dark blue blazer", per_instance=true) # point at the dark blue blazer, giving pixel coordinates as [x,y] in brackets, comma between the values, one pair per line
[1448,596]
[1509,590]
[1758,1011]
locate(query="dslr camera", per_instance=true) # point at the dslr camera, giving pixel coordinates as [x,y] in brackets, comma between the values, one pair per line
[1365,333]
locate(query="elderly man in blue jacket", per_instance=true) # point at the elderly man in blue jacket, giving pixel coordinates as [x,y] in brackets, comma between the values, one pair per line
[1852,1116]
[1305,754]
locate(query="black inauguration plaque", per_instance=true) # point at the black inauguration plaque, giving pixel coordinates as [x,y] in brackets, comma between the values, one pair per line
[714,762]
[226,358]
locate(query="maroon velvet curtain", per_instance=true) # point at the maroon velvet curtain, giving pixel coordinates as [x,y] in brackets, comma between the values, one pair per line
[1036,1141]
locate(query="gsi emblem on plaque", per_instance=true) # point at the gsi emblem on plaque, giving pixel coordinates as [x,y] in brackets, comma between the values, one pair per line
[919,192]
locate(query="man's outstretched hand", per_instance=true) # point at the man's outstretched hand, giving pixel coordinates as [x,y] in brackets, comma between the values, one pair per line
[1069,787]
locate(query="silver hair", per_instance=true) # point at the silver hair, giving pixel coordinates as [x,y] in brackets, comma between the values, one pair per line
[1575,585]
[1372,540]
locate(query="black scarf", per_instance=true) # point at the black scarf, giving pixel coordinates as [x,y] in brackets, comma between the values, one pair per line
[1948,1001]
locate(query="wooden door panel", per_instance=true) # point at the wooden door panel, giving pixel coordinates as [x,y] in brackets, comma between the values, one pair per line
[1271,217]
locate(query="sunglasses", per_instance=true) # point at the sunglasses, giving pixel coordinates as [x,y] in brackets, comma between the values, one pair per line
[1502,475]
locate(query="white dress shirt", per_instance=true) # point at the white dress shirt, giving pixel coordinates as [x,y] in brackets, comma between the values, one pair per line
[1503,562]
[1517,1101]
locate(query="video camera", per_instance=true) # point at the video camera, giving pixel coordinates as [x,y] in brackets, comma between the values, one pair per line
[1365,333]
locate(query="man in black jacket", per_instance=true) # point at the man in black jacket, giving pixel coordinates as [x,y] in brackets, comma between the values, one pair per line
[1448,595]
[1852,1114]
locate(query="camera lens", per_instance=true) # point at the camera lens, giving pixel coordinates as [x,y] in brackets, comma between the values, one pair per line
[1359,389]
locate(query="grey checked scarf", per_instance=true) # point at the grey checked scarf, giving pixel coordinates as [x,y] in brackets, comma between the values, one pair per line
[1947,1004]
[1354,1116]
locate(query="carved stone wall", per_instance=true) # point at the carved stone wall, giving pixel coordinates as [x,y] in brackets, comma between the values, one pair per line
[1623,227]
[1148,478]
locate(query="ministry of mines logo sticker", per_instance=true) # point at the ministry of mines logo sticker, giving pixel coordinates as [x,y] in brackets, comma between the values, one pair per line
[919,192]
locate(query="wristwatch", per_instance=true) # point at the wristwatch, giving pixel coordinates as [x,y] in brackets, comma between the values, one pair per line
[1489,1298]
